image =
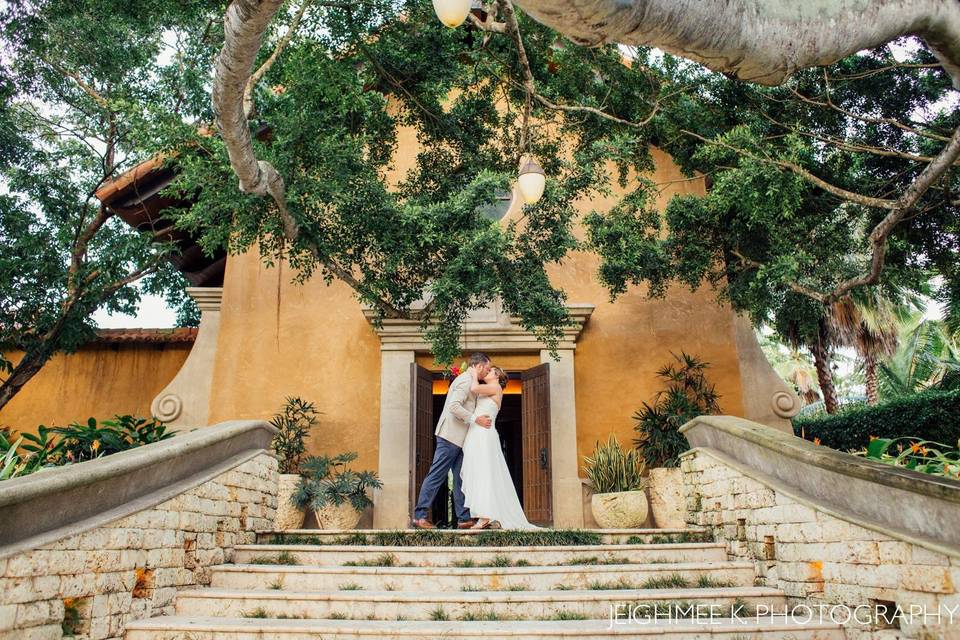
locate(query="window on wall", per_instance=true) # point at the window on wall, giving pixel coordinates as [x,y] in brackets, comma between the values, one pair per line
[499,207]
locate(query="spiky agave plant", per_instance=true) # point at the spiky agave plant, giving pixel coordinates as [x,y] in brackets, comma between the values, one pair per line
[325,480]
[612,469]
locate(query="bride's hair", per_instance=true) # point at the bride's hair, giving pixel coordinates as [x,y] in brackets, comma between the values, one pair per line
[502,376]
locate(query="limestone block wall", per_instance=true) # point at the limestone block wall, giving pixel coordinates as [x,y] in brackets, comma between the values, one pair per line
[131,568]
[817,558]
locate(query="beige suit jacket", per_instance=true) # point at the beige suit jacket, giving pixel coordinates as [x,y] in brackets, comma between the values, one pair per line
[457,414]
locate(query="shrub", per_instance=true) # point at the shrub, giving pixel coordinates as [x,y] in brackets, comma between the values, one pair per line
[294,422]
[922,456]
[687,395]
[612,469]
[930,415]
[55,446]
[326,481]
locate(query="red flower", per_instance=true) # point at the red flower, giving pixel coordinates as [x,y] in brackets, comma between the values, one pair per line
[455,371]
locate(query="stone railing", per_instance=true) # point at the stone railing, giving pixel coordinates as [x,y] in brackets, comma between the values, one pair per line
[829,528]
[96,544]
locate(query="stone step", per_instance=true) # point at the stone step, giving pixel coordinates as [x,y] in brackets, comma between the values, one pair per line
[169,628]
[534,578]
[505,605]
[334,555]
[411,537]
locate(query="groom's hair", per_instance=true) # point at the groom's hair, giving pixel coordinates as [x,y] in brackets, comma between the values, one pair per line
[478,358]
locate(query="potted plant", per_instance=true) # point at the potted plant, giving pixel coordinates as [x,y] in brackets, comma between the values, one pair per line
[336,494]
[294,423]
[687,394]
[619,501]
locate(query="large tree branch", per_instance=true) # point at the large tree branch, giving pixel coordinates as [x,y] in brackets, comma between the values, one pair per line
[880,234]
[762,41]
[245,23]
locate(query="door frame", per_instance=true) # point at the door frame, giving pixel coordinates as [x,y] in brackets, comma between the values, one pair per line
[493,331]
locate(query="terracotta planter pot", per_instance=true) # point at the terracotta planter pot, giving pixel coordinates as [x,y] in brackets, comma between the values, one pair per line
[666,498]
[337,517]
[288,516]
[620,510]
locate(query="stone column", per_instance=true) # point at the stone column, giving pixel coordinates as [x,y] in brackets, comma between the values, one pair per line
[567,500]
[185,402]
[391,504]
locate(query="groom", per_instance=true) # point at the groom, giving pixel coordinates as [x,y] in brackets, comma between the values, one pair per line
[456,418]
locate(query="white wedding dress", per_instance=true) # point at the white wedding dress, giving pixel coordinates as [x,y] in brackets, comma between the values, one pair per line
[485,478]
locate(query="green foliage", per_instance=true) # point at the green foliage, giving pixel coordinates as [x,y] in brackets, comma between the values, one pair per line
[932,415]
[325,480]
[611,468]
[82,82]
[688,394]
[79,442]
[294,422]
[335,102]
[928,356]
[762,232]
[922,456]
[55,446]
[447,538]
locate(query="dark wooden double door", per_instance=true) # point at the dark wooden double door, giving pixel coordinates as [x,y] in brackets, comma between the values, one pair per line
[535,484]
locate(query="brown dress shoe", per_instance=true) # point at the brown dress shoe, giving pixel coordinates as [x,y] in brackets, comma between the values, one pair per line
[423,523]
[467,524]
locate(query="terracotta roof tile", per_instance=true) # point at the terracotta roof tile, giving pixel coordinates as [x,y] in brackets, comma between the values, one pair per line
[164,336]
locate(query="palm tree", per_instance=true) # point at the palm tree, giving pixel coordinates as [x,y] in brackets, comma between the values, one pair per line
[870,322]
[928,356]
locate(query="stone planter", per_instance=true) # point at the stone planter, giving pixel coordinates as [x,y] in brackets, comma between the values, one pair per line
[666,498]
[288,516]
[620,510]
[333,516]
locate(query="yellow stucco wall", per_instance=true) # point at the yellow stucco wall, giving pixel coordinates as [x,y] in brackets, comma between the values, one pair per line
[278,339]
[99,380]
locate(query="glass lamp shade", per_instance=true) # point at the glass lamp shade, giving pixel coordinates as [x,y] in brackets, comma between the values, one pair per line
[531,181]
[452,12]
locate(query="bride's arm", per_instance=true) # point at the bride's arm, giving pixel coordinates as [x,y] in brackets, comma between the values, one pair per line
[483,389]
[479,388]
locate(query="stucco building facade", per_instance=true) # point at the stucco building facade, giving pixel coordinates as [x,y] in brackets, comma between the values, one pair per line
[264,338]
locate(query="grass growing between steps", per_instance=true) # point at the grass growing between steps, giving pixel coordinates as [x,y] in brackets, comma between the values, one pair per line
[672,581]
[284,557]
[383,560]
[674,538]
[260,612]
[439,538]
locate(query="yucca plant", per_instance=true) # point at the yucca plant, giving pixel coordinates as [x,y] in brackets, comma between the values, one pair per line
[687,395]
[325,480]
[294,423]
[612,469]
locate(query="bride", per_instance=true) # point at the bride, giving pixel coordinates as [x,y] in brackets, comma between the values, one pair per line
[485,478]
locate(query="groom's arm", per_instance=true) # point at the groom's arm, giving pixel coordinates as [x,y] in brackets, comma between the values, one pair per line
[458,395]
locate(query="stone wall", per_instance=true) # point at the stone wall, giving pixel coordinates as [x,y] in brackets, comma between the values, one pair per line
[131,568]
[818,558]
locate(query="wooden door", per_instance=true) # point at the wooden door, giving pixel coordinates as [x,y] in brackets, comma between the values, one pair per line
[535,399]
[421,428]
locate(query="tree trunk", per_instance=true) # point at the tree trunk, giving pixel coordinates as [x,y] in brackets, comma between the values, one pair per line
[29,366]
[761,41]
[821,359]
[870,373]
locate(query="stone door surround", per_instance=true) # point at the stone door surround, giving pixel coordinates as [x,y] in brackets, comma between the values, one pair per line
[493,331]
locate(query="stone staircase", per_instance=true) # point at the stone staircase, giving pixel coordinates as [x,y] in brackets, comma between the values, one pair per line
[495,584]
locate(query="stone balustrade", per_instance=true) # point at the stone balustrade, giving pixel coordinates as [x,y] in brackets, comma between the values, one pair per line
[126,561]
[811,542]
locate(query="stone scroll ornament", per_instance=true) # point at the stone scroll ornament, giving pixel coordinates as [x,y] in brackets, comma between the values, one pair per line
[169,407]
[785,404]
